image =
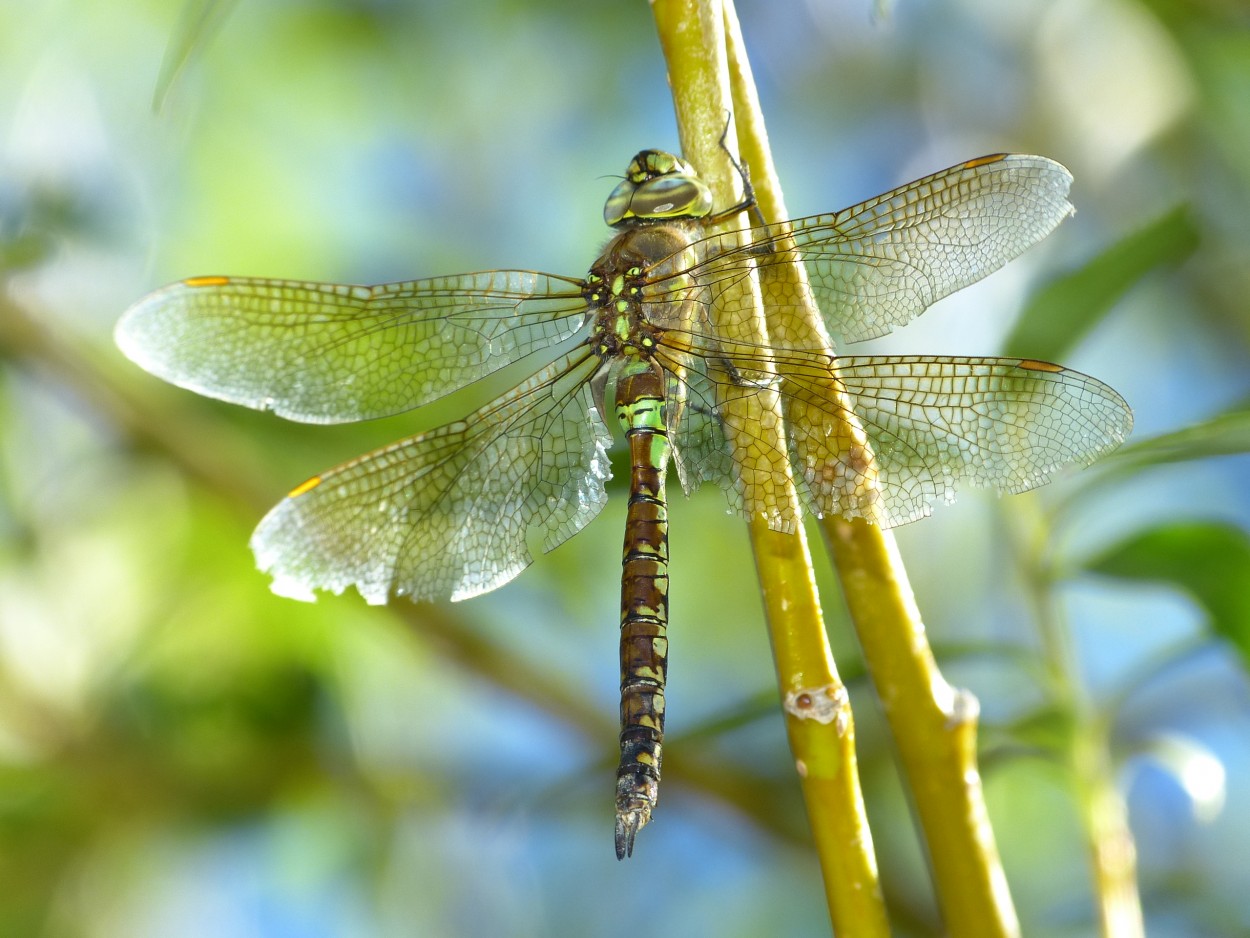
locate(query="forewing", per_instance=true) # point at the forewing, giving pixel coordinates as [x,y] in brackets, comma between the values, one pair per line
[882,263]
[328,353]
[449,514]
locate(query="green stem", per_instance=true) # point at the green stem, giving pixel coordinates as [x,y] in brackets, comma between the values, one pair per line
[1102,810]
[818,717]
[934,727]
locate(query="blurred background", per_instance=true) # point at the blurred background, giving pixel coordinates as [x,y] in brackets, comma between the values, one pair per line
[183,753]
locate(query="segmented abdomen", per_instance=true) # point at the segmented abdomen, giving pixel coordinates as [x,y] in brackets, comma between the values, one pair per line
[640,409]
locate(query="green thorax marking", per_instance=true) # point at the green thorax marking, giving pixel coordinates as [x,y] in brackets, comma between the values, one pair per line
[621,330]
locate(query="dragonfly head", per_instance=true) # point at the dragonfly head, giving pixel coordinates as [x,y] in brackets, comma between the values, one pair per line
[658,187]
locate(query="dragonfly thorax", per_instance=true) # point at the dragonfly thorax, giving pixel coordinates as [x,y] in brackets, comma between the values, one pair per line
[629,319]
[621,328]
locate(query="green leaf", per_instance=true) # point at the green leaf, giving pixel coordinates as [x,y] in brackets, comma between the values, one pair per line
[199,20]
[1063,311]
[1221,435]
[1225,434]
[1208,560]
[1048,729]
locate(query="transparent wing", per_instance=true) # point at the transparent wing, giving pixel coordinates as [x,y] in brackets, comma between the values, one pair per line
[1002,423]
[449,513]
[700,450]
[328,353]
[931,424]
[701,434]
[882,263]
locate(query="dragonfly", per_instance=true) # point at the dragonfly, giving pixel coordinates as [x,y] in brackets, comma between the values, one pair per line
[451,513]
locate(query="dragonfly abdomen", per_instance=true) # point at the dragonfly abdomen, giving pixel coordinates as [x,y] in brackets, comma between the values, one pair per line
[640,409]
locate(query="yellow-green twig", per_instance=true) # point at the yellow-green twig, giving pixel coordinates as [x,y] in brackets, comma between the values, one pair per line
[934,727]
[818,717]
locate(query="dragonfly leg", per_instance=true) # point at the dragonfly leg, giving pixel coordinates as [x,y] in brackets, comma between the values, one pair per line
[640,408]
[747,202]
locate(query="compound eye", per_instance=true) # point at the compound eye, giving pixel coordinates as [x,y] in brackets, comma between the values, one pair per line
[672,196]
[657,186]
[617,207]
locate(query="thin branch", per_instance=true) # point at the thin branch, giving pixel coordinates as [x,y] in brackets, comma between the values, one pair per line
[818,717]
[1101,806]
[934,726]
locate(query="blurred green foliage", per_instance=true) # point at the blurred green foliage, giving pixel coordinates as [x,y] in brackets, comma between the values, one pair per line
[1060,314]
[1209,561]
[183,753]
